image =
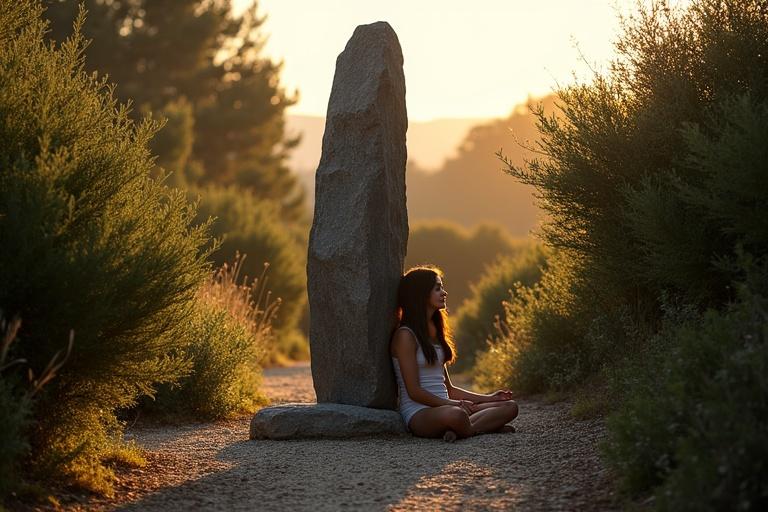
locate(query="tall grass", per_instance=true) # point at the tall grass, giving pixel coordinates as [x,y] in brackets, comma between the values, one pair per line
[233,335]
[251,226]
[249,304]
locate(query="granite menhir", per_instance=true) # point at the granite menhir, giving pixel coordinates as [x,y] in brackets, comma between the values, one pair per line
[360,228]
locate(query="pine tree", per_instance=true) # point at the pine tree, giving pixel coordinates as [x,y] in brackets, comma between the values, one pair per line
[161,53]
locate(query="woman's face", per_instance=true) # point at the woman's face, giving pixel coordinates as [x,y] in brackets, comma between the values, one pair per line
[438,295]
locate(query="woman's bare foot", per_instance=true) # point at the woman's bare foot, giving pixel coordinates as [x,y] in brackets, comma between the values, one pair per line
[449,436]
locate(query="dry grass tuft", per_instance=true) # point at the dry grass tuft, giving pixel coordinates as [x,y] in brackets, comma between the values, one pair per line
[250,305]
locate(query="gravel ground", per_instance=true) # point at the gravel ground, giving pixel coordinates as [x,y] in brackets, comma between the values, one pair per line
[550,463]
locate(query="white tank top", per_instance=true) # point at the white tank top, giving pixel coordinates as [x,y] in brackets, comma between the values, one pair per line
[431,379]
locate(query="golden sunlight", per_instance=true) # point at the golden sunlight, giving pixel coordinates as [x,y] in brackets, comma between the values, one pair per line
[462,59]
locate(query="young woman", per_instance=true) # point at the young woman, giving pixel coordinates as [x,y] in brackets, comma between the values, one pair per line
[421,348]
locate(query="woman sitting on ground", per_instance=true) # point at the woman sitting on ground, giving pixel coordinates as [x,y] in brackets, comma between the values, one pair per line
[421,348]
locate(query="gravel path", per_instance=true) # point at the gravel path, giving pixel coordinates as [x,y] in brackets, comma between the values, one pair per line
[551,463]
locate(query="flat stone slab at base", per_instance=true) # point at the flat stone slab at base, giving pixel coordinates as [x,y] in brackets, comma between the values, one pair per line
[301,421]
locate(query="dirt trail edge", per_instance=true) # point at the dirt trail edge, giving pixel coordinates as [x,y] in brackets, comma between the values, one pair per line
[550,463]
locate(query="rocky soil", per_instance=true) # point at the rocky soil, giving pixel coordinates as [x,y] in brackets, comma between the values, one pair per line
[550,463]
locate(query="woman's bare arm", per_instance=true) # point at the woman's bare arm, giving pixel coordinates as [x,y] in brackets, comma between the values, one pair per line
[404,349]
[462,394]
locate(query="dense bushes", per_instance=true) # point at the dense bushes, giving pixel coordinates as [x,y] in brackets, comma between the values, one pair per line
[655,180]
[719,206]
[694,421]
[95,248]
[654,174]
[480,312]
[540,344]
[632,131]
[89,242]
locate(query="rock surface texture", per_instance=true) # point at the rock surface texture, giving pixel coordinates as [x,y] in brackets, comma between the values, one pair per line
[303,421]
[360,228]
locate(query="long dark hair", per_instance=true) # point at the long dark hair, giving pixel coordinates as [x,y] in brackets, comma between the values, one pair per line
[412,296]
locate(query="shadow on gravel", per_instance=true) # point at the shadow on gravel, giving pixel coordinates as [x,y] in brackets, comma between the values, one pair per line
[551,463]
[365,473]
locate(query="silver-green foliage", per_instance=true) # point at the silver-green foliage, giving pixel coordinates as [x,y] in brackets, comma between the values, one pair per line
[88,241]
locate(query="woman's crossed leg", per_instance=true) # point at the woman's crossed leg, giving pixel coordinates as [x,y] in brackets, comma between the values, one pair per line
[492,416]
[439,421]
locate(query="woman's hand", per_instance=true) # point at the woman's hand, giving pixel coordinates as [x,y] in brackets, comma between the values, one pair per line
[468,406]
[500,395]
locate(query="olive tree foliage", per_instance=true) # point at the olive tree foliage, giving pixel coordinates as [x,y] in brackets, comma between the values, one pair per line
[197,64]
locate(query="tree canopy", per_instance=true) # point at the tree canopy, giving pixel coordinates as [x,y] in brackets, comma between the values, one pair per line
[199,66]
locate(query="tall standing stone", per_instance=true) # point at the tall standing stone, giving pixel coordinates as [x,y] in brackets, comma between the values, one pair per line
[360,228]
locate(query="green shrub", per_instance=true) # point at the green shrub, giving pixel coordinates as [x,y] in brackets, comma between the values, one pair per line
[654,181]
[252,226]
[479,313]
[693,425]
[232,335]
[635,128]
[720,207]
[654,173]
[541,339]
[88,242]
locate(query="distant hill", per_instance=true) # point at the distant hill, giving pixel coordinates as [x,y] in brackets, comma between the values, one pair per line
[470,188]
[429,143]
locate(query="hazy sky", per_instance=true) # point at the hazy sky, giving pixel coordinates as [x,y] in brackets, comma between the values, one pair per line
[462,59]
